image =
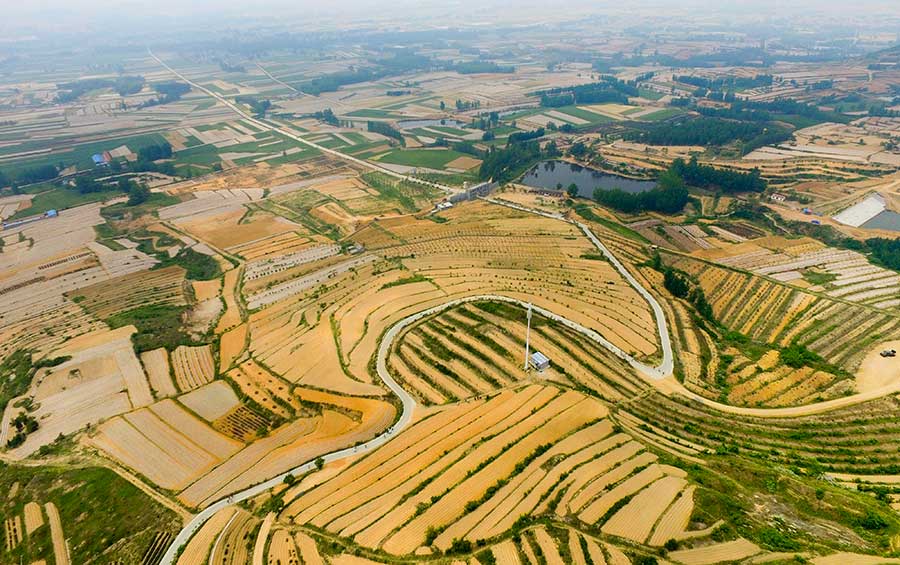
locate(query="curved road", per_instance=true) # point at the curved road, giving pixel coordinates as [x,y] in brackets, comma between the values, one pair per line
[405,417]
[652,373]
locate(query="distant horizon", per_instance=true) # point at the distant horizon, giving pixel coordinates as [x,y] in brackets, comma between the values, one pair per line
[92,16]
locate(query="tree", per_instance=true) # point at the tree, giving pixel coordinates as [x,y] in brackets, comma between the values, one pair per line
[572,190]
[443,106]
[675,283]
[320,462]
[578,149]
[139,194]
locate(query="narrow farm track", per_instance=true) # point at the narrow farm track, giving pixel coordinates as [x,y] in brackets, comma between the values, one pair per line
[274,127]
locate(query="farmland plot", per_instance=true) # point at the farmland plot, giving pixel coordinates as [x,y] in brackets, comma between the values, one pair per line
[120,294]
[211,401]
[193,366]
[165,444]
[102,378]
[156,364]
[465,489]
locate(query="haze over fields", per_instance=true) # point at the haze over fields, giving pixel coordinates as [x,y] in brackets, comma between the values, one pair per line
[515,283]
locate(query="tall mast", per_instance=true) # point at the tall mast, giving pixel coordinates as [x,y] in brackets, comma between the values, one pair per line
[528,337]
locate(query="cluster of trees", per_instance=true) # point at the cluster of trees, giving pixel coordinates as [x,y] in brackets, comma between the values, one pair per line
[155,152]
[885,252]
[669,196]
[503,165]
[756,111]
[726,83]
[490,121]
[740,57]
[796,356]
[385,129]
[137,193]
[42,173]
[467,104]
[232,68]
[168,92]
[333,81]
[708,131]
[706,176]
[523,136]
[257,106]
[328,117]
[404,61]
[399,63]
[24,424]
[479,67]
[124,85]
[681,287]
[609,89]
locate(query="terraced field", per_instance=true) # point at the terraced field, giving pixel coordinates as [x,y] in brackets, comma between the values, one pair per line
[776,313]
[477,348]
[472,471]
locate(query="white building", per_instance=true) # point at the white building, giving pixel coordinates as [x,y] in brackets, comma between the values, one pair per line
[539,361]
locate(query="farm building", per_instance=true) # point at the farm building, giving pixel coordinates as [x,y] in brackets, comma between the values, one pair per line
[539,361]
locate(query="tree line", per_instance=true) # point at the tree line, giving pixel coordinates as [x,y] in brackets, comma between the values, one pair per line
[668,196]
[710,131]
[508,163]
[709,177]
[123,85]
[145,163]
[727,82]
[385,129]
[607,90]
[168,92]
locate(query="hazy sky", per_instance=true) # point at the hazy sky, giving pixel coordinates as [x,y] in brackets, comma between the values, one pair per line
[20,16]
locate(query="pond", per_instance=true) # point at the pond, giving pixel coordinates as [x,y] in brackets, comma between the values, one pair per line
[885,220]
[413,124]
[551,174]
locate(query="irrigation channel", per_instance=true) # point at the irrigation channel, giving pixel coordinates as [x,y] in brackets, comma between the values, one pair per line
[652,373]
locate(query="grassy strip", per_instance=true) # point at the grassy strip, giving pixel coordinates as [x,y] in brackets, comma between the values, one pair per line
[587,213]
[408,280]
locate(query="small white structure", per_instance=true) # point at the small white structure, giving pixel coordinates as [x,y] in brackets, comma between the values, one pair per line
[539,361]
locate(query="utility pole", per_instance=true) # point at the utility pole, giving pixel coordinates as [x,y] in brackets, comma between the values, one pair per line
[528,337]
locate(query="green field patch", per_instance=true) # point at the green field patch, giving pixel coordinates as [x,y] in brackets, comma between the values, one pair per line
[60,198]
[663,114]
[585,114]
[355,137]
[650,94]
[104,517]
[417,278]
[79,155]
[451,131]
[373,113]
[430,158]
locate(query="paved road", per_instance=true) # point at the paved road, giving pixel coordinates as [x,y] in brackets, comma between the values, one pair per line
[660,376]
[667,366]
[274,126]
[407,401]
